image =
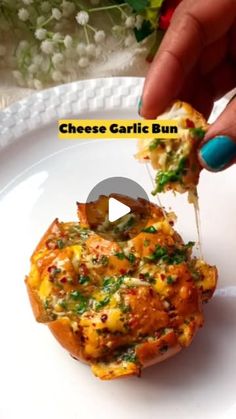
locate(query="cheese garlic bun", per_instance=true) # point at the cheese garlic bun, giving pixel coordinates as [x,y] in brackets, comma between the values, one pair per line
[119,306]
[176,160]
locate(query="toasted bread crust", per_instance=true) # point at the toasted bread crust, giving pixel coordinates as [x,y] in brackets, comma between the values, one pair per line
[165,328]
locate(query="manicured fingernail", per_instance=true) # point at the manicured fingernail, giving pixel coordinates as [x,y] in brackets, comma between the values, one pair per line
[139,105]
[218,152]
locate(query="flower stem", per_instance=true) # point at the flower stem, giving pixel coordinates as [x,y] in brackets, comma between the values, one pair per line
[91,28]
[115,6]
[86,34]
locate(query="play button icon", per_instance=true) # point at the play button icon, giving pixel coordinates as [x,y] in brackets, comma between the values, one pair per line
[117,209]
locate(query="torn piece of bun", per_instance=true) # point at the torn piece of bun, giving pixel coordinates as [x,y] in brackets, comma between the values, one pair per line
[119,306]
[175,159]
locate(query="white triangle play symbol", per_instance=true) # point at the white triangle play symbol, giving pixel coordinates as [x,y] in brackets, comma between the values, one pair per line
[116,210]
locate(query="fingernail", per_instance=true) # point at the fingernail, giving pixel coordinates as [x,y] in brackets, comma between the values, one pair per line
[140,105]
[218,152]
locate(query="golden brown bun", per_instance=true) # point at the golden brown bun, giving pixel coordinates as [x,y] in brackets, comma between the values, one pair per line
[145,320]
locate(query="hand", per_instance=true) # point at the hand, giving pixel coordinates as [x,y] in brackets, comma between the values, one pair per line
[196,62]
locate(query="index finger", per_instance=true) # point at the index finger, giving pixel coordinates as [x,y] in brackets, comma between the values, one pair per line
[194,25]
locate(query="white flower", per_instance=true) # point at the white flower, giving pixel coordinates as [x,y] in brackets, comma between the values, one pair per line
[57,58]
[57,76]
[129,40]
[83,62]
[57,37]
[67,8]
[81,48]
[45,6]
[37,84]
[82,18]
[38,59]
[56,14]
[47,47]
[33,68]
[40,20]
[99,37]
[40,34]
[68,41]
[23,14]
[27,2]
[3,50]
[139,22]
[91,50]
[118,30]
[130,22]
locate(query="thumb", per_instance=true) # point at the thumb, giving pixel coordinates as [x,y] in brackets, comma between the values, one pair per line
[218,150]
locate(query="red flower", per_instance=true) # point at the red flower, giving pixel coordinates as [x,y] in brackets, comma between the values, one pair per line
[167,12]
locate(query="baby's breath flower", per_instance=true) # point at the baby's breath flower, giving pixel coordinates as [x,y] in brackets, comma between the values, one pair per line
[81,48]
[45,6]
[56,14]
[33,68]
[68,41]
[99,37]
[37,84]
[57,58]
[23,14]
[57,37]
[82,18]
[47,47]
[83,62]
[38,59]
[27,2]
[40,34]
[57,76]
[91,50]
[130,22]
[2,50]
[139,22]
[40,20]
[67,8]
[129,40]
[118,30]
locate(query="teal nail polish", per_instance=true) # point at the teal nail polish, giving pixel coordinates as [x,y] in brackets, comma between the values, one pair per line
[218,152]
[139,105]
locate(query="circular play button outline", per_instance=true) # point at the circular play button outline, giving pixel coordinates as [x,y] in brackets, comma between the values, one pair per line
[121,193]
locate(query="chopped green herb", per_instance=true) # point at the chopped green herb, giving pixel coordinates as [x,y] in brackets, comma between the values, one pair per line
[46,304]
[198,133]
[162,178]
[83,279]
[150,229]
[63,304]
[170,280]
[130,357]
[154,144]
[76,295]
[60,244]
[81,307]
[111,284]
[102,303]
[131,258]
[120,256]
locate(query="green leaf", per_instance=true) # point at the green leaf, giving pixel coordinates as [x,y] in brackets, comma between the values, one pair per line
[145,30]
[150,229]
[138,5]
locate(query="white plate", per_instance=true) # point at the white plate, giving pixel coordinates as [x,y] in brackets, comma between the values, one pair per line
[42,177]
